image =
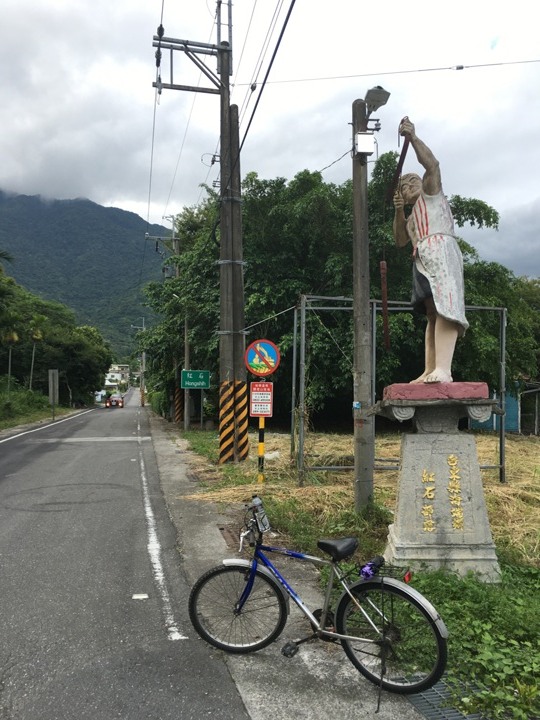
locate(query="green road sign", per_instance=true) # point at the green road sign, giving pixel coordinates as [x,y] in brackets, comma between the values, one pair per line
[195,379]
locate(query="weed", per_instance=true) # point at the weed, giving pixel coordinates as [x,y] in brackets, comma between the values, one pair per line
[494,656]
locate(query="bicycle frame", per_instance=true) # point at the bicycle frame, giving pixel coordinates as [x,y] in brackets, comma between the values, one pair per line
[335,573]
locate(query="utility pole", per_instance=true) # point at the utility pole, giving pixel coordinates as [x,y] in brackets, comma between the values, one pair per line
[142,385]
[180,409]
[364,423]
[233,401]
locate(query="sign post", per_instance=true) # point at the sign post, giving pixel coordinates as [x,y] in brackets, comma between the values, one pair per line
[261,358]
[261,406]
[53,389]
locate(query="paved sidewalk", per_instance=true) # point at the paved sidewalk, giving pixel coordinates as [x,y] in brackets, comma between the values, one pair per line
[319,682]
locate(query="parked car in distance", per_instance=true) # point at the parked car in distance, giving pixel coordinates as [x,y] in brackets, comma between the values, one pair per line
[115,400]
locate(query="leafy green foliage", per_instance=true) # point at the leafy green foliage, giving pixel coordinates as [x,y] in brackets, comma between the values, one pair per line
[48,338]
[494,657]
[297,240]
[20,403]
[90,258]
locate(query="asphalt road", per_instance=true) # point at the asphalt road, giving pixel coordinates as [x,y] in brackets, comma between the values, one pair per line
[319,682]
[93,620]
[102,532]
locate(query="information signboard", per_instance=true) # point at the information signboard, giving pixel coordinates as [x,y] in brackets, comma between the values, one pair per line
[261,399]
[195,380]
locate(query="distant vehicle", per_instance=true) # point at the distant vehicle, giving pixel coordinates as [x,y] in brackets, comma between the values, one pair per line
[115,400]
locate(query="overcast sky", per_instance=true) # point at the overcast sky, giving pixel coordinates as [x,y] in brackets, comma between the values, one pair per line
[79,116]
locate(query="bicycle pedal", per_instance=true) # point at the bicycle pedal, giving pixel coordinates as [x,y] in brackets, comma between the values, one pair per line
[289,649]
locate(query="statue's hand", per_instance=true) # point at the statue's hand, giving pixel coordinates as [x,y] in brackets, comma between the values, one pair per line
[406,128]
[399,202]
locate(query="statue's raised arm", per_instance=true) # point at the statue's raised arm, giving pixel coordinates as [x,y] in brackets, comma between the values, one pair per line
[431,182]
[438,287]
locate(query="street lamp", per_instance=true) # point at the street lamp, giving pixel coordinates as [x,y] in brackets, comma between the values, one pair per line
[364,423]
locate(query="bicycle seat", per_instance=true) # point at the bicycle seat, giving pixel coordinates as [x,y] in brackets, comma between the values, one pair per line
[338,549]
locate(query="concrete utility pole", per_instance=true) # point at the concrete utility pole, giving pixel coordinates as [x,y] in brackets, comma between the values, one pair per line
[142,386]
[181,410]
[364,424]
[233,400]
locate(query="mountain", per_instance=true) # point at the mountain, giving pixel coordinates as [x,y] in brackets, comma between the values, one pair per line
[93,259]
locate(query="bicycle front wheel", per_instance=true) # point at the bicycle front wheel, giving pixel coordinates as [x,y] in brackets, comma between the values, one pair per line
[397,644]
[213,609]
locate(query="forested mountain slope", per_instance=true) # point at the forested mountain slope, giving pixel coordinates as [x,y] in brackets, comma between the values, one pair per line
[91,258]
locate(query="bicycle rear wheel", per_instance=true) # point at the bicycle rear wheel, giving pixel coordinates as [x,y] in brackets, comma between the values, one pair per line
[397,644]
[212,609]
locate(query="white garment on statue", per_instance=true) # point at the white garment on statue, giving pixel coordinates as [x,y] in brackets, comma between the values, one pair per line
[437,255]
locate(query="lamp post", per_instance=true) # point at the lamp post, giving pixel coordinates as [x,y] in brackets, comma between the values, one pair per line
[364,424]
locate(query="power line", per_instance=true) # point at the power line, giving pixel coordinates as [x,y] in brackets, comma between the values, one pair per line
[280,38]
[398,72]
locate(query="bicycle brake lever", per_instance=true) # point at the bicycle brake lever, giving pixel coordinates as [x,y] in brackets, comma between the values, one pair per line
[243,535]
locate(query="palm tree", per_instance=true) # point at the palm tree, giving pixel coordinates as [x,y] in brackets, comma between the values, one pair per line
[10,338]
[4,255]
[36,334]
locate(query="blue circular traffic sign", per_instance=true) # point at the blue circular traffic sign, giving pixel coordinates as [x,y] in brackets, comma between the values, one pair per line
[262,357]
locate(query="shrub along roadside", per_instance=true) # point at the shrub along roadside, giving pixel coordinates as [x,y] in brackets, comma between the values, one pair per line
[494,654]
[25,406]
[21,406]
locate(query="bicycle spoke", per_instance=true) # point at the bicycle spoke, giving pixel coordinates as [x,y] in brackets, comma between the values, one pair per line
[213,609]
[401,647]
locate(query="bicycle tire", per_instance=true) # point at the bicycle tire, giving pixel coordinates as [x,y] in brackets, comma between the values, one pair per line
[212,603]
[407,652]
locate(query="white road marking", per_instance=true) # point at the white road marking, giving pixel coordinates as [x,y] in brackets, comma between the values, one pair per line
[42,427]
[154,551]
[101,438]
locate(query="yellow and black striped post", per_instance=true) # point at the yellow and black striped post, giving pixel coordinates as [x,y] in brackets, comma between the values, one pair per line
[233,421]
[260,461]
[178,405]
[241,419]
[226,422]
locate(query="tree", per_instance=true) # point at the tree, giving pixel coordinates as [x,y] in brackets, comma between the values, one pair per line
[298,240]
[36,333]
[80,354]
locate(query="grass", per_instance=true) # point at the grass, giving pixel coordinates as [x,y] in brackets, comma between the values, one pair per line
[22,407]
[494,656]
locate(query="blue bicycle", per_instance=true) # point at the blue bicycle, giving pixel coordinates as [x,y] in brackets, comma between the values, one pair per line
[388,630]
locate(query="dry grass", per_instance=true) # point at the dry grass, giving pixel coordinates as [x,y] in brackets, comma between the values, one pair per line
[513,506]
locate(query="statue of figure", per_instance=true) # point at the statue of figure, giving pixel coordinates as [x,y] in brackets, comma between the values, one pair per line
[438,288]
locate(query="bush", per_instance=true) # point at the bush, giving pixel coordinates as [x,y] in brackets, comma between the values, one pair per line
[494,660]
[20,402]
[159,402]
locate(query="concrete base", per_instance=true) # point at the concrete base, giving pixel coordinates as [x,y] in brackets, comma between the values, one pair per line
[441,518]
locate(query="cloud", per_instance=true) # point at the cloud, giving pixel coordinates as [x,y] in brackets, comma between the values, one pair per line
[79,115]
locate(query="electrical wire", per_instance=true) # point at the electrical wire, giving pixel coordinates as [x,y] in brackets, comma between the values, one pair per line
[255,75]
[260,61]
[261,57]
[280,38]
[399,72]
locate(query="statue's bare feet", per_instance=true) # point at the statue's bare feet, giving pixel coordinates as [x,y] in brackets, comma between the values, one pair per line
[438,376]
[420,379]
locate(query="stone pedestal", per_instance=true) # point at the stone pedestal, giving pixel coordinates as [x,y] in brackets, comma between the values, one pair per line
[441,519]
